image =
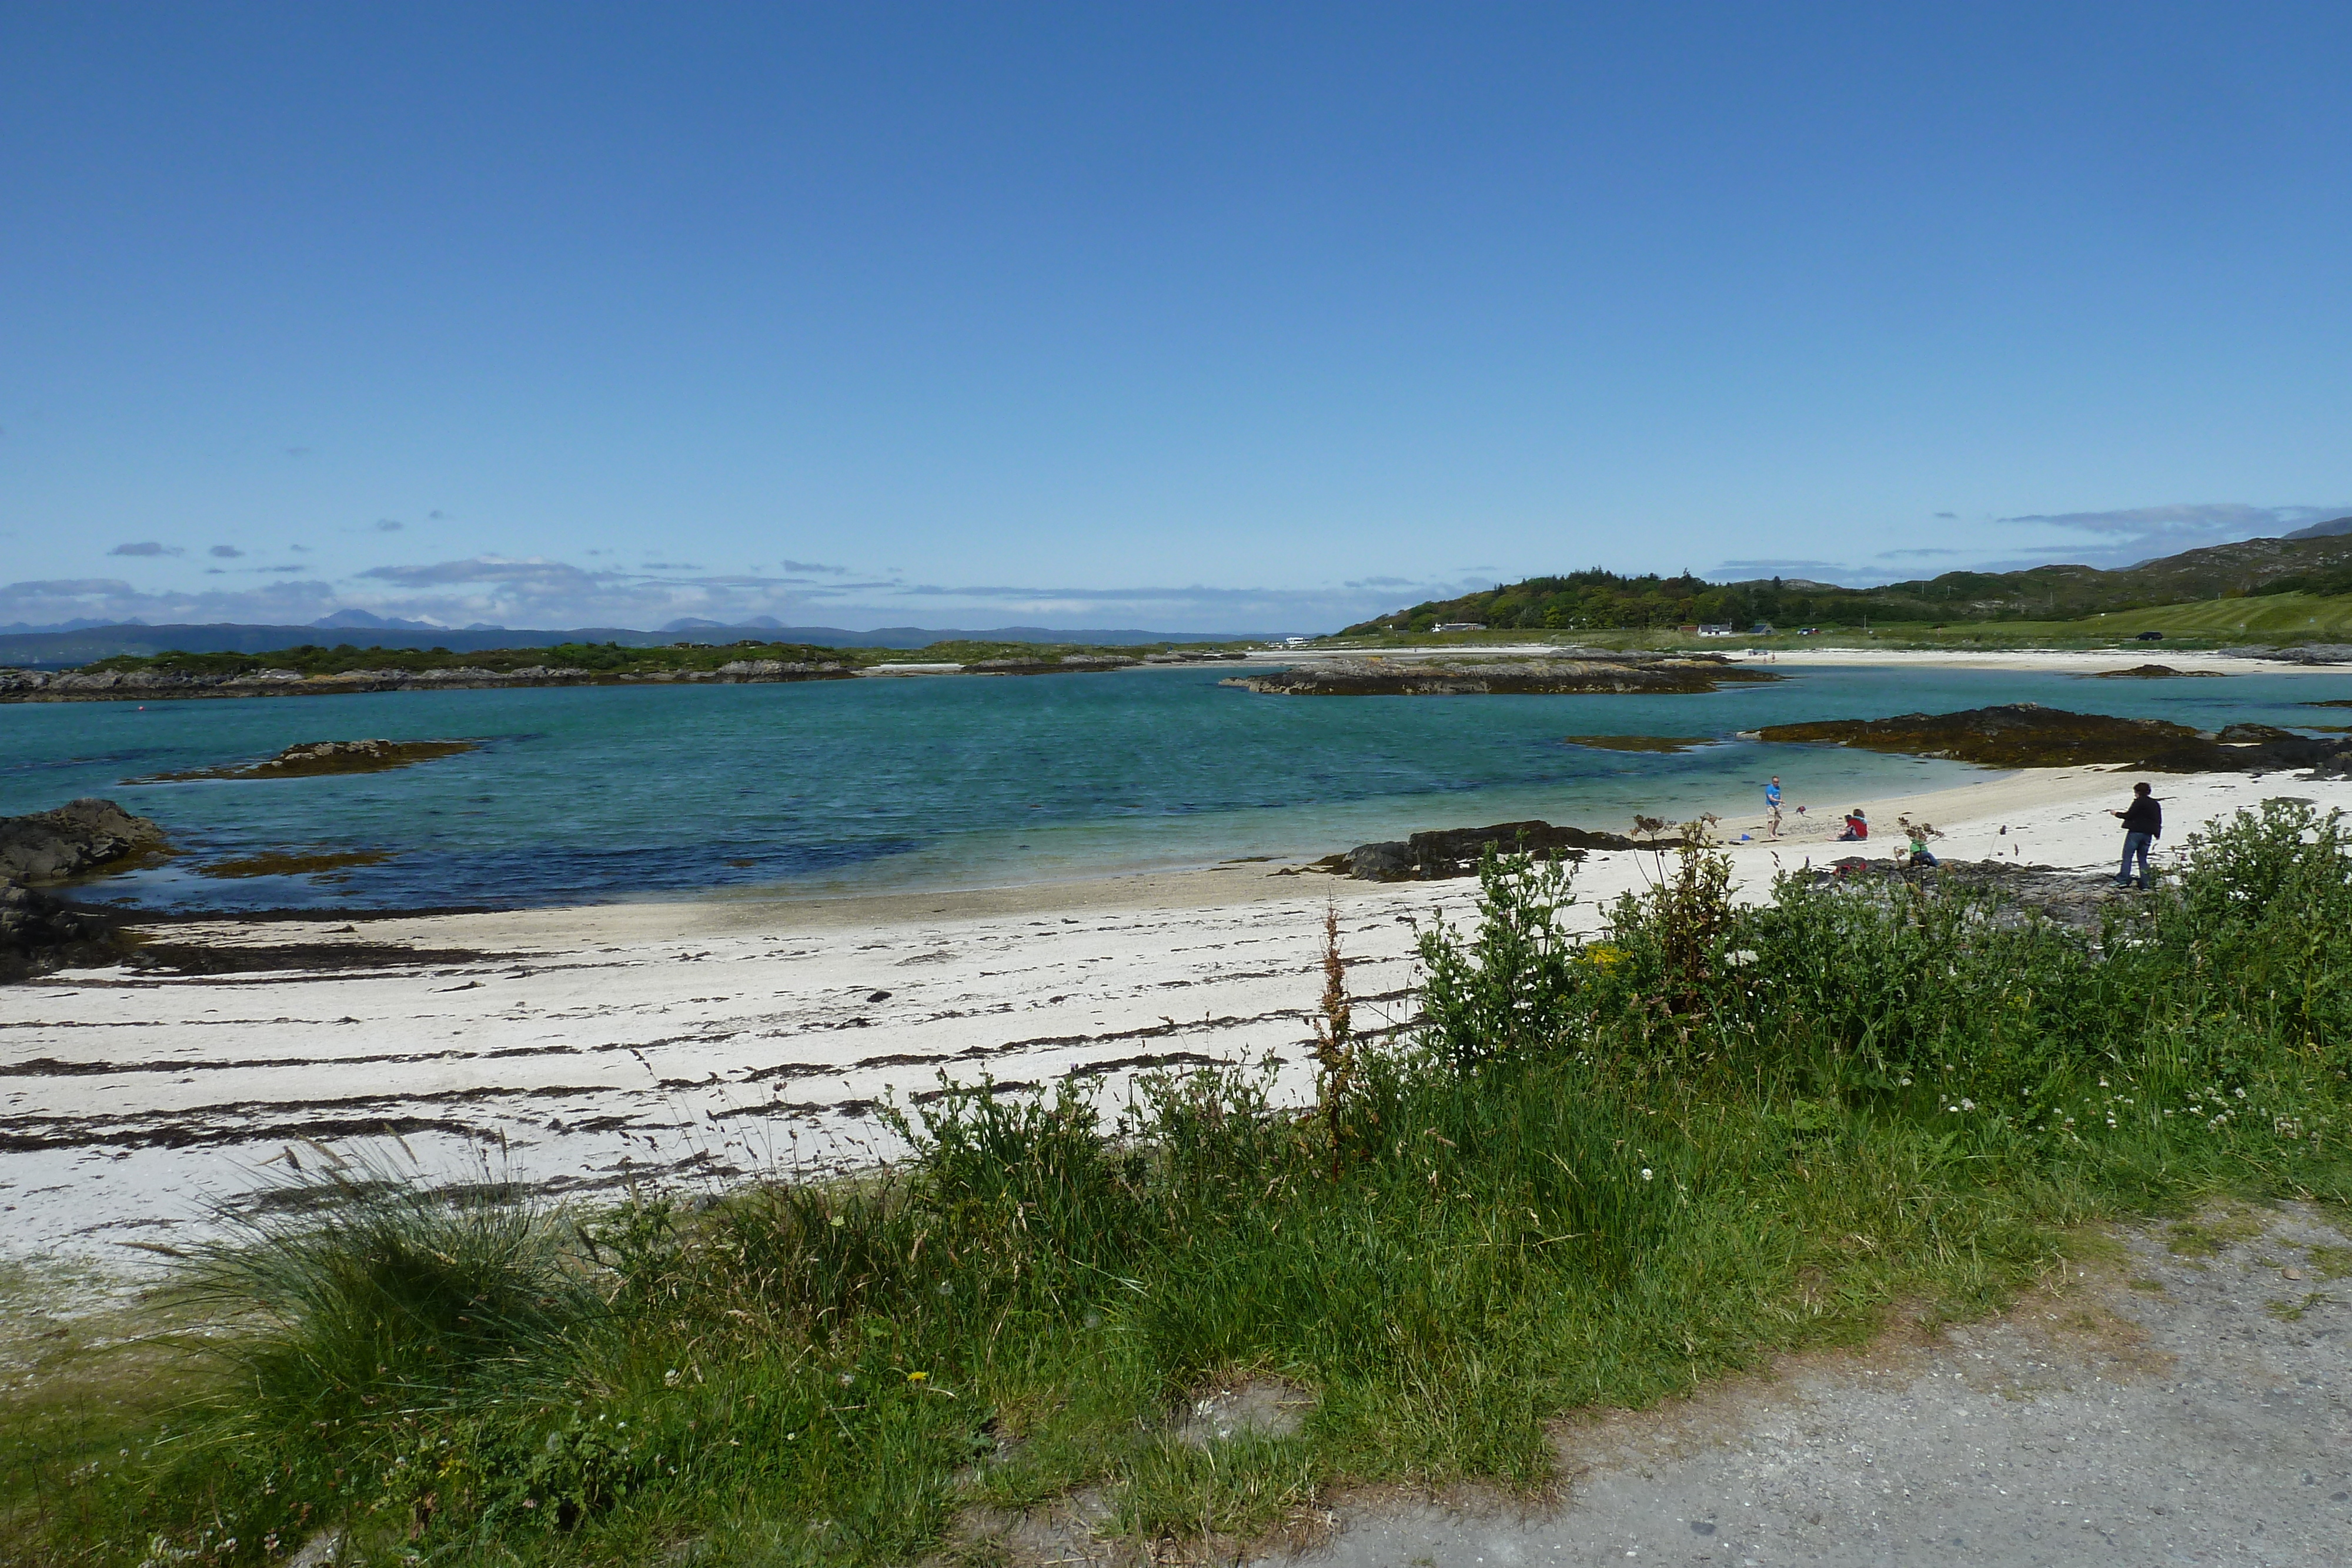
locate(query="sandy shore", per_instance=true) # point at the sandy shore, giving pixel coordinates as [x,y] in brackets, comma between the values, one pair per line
[723,1037]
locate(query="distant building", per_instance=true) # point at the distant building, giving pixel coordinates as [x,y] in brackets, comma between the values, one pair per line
[1714,629]
[1459,626]
[1761,629]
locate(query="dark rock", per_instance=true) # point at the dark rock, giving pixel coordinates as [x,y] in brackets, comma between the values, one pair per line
[1390,860]
[2155,673]
[1446,853]
[314,758]
[2027,734]
[1067,665]
[2254,734]
[49,846]
[38,933]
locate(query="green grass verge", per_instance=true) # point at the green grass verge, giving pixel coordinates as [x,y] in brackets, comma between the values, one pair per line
[1598,1175]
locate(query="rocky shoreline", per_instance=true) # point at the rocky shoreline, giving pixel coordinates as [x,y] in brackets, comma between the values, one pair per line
[1444,853]
[1583,675]
[37,931]
[25,686]
[20,686]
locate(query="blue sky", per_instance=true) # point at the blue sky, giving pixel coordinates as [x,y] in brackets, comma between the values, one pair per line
[1254,317]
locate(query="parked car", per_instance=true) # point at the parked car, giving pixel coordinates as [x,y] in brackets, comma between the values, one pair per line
[2150,637]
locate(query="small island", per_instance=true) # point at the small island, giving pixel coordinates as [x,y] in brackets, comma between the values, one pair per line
[309,671]
[1583,674]
[317,758]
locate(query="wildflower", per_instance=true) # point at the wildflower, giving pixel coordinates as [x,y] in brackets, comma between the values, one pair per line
[918,1376]
[1645,1173]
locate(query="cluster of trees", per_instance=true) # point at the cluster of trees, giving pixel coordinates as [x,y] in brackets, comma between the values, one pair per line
[1596,599]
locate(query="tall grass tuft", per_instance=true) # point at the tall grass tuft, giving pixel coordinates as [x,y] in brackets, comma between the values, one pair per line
[362,1284]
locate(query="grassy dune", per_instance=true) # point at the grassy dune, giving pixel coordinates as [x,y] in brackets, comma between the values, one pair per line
[1598,1174]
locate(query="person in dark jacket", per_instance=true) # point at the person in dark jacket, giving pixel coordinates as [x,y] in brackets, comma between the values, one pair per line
[2143,825]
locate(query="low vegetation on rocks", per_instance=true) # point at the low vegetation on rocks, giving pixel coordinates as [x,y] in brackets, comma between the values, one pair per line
[1648,674]
[321,758]
[1595,1173]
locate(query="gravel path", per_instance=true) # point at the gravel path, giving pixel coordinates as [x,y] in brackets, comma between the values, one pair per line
[2189,1402]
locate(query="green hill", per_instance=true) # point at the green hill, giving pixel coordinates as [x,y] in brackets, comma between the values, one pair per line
[2305,568]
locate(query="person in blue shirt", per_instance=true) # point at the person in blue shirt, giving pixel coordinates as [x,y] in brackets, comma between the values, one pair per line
[1772,804]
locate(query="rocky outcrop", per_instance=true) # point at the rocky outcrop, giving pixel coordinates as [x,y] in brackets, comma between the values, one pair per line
[1067,665]
[2155,673]
[38,933]
[741,669]
[314,758]
[2027,734]
[80,836]
[1587,673]
[1446,853]
[1190,657]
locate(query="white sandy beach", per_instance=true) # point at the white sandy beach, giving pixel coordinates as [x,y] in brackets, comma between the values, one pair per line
[716,1037]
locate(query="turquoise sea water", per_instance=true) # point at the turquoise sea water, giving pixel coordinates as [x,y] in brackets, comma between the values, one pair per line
[845,787]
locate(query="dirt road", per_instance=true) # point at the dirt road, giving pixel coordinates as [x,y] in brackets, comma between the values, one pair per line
[2187,1402]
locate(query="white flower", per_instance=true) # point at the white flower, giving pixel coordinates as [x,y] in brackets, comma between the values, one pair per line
[1645,1173]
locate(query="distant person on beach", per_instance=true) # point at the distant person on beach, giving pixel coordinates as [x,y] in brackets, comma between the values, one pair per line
[2143,825]
[1772,805]
[1857,826]
[1920,854]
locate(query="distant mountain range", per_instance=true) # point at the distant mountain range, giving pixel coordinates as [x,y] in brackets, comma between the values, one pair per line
[2314,560]
[80,643]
